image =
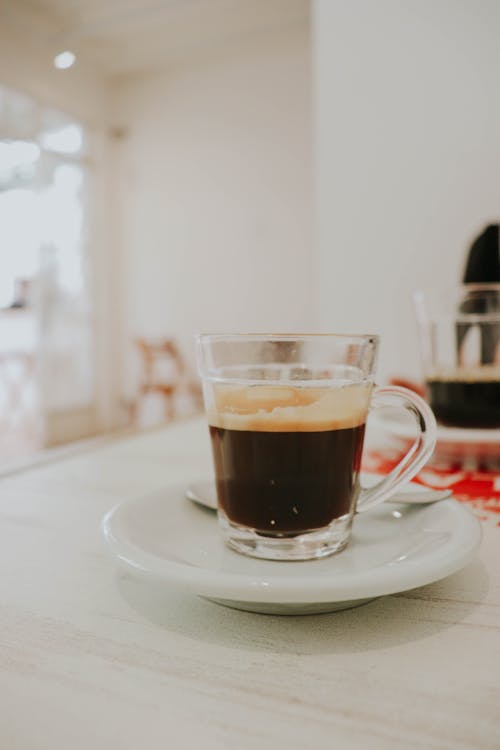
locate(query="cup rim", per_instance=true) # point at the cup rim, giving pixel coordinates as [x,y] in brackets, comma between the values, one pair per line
[218,336]
[487,286]
[428,309]
[431,291]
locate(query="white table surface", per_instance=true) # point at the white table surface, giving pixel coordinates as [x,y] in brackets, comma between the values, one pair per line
[90,658]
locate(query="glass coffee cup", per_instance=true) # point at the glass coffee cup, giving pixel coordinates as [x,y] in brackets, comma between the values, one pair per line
[460,346]
[287,416]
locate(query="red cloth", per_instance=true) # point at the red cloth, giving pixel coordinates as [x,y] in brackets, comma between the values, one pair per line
[480,489]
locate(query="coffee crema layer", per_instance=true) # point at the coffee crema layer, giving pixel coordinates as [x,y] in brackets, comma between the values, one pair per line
[283,408]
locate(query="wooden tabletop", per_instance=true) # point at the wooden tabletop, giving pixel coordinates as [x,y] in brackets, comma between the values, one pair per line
[90,658]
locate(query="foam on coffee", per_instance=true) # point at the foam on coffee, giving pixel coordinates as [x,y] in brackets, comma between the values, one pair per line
[283,408]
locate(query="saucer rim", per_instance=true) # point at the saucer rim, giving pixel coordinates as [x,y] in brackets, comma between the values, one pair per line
[457,551]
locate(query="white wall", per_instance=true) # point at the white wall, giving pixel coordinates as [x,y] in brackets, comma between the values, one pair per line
[215,192]
[408,156]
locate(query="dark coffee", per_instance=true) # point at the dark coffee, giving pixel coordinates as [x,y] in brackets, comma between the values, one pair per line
[465,403]
[283,483]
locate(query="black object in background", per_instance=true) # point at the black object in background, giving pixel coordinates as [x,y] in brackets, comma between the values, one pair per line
[483,261]
[482,267]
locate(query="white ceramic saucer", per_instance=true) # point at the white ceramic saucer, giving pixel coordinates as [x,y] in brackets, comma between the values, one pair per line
[394,548]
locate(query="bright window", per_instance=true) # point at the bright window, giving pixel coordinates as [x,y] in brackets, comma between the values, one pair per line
[45,303]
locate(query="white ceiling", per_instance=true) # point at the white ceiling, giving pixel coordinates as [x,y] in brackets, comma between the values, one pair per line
[127,36]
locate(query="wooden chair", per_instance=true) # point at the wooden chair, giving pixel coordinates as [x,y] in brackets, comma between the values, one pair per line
[164,372]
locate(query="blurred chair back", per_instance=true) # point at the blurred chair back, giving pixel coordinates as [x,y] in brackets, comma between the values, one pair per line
[164,372]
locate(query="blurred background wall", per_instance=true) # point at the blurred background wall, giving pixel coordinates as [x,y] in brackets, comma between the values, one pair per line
[213,169]
[407,119]
[198,203]
[247,164]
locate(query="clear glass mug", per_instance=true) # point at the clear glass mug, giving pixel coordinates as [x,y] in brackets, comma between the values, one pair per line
[460,346]
[287,417]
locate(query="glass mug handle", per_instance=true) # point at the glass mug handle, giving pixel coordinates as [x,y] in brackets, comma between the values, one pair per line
[417,455]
